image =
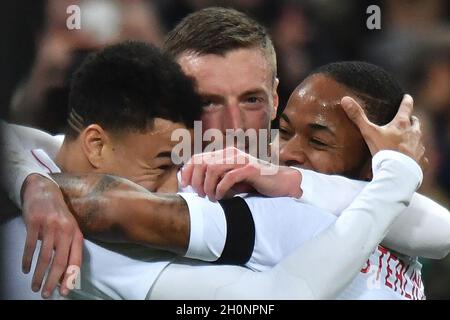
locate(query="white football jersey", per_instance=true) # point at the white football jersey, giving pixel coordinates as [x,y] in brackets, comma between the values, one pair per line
[109,271]
[280,226]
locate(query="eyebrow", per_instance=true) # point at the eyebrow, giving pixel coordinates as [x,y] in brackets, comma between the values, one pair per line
[285,118]
[211,96]
[254,91]
[320,127]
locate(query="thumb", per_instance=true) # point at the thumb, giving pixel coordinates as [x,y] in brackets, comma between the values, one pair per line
[356,113]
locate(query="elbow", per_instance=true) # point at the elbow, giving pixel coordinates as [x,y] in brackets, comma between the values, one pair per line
[436,248]
[439,250]
[444,248]
[439,253]
[435,243]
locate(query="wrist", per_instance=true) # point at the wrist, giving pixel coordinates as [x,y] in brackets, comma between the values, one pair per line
[408,165]
[35,183]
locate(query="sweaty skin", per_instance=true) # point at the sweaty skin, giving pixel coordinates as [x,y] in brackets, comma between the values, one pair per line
[316,134]
[318,143]
[238,89]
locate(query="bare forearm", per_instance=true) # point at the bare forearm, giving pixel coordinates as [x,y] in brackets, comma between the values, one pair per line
[157,220]
[114,209]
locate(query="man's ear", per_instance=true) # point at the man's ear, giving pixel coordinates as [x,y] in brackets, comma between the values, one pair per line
[275,98]
[93,142]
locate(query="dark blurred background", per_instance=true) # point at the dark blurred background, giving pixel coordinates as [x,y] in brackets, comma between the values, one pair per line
[38,54]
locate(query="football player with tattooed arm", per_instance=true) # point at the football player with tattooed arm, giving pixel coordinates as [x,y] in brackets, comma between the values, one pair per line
[300,275]
[90,202]
[105,142]
[182,234]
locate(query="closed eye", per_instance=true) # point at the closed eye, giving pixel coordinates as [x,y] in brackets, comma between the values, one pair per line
[284,134]
[165,167]
[318,142]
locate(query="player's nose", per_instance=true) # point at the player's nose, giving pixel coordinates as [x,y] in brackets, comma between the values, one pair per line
[291,154]
[233,117]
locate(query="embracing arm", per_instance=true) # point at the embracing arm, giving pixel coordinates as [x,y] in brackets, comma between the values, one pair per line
[114,209]
[44,211]
[93,196]
[19,162]
[325,265]
[422,229]
[331,260]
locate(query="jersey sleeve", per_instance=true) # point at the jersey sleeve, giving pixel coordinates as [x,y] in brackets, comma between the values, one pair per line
[329,192]
[208,228]
[282,225]
[421,230]
[18,163]
[221,232]
[324,266]
[31,138]
[253,231]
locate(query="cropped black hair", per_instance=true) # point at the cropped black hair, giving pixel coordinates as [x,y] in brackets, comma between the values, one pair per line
[378,89]
[124,87]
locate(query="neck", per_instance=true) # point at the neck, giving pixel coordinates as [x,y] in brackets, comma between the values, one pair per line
[366,171]
[71,158]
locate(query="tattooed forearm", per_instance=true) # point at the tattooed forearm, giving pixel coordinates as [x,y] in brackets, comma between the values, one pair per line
[85,185]
[89,198]
[161,221]
[105,183]
[115,209]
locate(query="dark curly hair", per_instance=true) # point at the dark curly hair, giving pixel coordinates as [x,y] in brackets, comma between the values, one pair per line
[379,91]
[124,87]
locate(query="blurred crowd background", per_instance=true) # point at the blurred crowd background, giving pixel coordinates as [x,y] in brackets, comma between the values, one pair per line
[39,54]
